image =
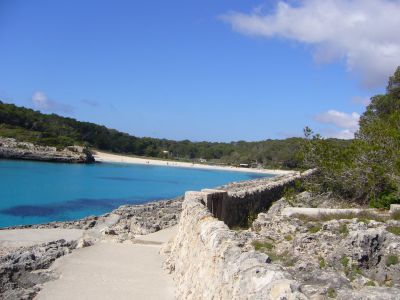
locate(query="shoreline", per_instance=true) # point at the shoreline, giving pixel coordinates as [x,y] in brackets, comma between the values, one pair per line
[116,158]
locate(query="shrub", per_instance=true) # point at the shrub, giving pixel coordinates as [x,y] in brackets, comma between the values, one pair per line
[344,261]
[288,237]
[392,260]
[262,245]
[314,229]
[394,229]
[396,215]
[331,293]
[370,283]
[322,263]
[384,200]
[343,229]
[366,168]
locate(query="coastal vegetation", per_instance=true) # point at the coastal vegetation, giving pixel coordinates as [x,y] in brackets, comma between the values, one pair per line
[33,126]
[367,169]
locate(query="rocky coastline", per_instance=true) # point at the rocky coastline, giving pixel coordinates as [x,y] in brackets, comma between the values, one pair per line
[278,255]
[23,270]
[13,149]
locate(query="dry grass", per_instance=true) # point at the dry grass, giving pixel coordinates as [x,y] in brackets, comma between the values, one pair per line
[364,216]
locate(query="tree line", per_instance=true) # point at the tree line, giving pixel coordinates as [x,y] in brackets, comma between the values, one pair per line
[54,130]
[367,169]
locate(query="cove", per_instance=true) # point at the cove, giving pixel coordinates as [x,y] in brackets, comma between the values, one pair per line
[40,192]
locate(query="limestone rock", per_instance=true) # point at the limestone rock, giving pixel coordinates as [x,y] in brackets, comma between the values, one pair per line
[12,149]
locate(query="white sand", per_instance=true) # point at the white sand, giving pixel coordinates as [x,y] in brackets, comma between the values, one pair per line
[110,270]
[107,157]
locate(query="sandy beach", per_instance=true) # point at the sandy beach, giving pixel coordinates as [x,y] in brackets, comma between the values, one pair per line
[114,158]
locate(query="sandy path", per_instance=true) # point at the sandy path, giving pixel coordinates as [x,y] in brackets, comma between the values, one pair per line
[110,270]
[27,237]
[107,157]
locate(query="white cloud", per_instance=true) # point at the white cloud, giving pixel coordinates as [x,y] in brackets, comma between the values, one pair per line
[345,134]
[43,103]
[365,33]
[348,123]
[339,119]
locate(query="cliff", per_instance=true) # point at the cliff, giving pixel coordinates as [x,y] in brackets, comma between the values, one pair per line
[12,149]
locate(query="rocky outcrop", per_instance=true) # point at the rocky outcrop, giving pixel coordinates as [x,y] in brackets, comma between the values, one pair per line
[23,271]
[131,219]
[332,255]
[326,253]
[12,149]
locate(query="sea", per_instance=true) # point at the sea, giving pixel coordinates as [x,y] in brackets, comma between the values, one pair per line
[41,192]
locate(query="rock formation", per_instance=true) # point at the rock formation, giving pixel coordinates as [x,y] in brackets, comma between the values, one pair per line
[12,149]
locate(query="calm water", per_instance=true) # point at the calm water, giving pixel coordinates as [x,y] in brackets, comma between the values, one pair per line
[36,192]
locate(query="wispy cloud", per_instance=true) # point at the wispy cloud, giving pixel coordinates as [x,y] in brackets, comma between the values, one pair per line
[43,103]
[362,32]
[89,102]
[346,124]
[364,101]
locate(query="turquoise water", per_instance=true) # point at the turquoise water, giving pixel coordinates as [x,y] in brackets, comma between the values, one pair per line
[38,192]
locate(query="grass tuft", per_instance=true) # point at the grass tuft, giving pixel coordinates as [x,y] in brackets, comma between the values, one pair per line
[314,229]
[322,263]
[262,245]
[394,229]
[392,260]
[370,283]
[288,237]
[331,293]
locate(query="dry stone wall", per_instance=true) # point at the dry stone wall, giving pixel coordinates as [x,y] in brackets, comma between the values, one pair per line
[236,202]
[210,261]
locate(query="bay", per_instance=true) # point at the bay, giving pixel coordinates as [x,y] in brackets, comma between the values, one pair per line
[40,192]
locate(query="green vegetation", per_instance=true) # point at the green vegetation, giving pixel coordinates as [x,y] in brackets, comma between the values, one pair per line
[366,169]
[331,293]
[396,215]
[322,263]
[394,229]
[370,283]
[392,260]
[343,229]
[53,130]
[268,248]
[288,237]
[314,228]
[262,245]
[352,272]
[344,261]
[363,216]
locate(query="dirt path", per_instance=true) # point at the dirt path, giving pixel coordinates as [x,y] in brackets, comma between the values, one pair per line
[110,270]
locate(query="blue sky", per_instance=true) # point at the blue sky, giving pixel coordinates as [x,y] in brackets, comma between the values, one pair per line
[200,70]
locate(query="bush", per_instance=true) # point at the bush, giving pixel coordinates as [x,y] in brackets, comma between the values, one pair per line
[314,229]
[370,283]
[366,169]
[392,260]
[394,229]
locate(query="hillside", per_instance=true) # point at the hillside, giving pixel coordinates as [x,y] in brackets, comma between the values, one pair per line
[53,130]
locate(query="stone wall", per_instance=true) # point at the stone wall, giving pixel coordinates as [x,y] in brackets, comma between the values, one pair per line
[239,202]
[210,261]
